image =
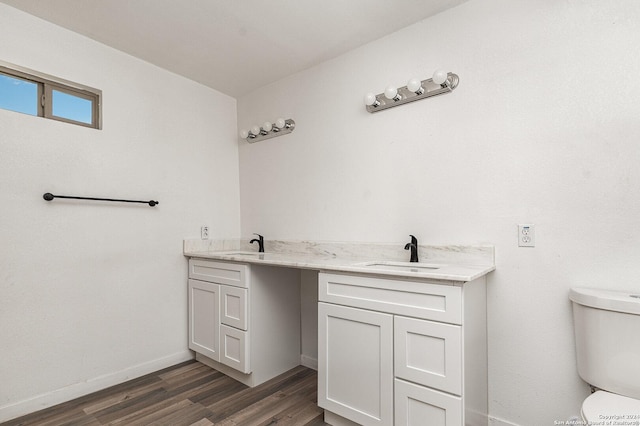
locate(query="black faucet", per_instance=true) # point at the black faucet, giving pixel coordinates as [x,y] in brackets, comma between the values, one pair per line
[260,243]
[413,245]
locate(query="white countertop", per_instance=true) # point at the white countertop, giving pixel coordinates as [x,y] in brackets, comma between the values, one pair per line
[434,267]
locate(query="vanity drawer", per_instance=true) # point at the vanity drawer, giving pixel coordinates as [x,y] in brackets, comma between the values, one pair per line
[234,348]
[428,353]
[418,406]
[438,302]
[233,306]
[219,272]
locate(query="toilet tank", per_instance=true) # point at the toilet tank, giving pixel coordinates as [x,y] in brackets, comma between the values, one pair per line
[607,331]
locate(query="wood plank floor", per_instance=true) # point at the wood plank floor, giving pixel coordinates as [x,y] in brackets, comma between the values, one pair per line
[192,394]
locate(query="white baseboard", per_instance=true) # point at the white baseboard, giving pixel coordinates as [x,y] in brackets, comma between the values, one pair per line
[49,399]
[309,362]
[493,421]
[472,417]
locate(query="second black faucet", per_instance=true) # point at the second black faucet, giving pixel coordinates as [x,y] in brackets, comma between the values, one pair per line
[260,241]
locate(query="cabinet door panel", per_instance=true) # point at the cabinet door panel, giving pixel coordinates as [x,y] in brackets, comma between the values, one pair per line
[420,406]
[233,306]
[428,353]
[204,311]
[355,364]
[234,349]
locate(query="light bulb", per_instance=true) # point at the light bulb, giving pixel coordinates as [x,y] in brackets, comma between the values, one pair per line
[391,93]
[371,100]
[439,77]
[267,126]
[244,133]
[255,130]
[415,86]
[281,123]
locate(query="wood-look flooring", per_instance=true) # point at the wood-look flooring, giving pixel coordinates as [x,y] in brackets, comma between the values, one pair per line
[192,394]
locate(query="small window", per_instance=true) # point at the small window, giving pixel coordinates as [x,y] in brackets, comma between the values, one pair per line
[45,96]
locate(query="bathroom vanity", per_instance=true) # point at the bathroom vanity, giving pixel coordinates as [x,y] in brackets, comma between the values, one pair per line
[402,352]
[244,320]
[398,343]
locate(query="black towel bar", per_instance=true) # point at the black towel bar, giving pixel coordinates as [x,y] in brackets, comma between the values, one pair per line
[49,196]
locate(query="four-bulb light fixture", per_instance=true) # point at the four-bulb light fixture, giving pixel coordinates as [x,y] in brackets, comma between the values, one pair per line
[268,130]
[442,82]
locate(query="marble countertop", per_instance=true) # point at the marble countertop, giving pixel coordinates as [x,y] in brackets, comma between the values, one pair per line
[450,263]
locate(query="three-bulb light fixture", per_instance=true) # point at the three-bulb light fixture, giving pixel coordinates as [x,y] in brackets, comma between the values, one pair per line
[440,83]
[268,130]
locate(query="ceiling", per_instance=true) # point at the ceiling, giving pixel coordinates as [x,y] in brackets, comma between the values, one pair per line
[234,46]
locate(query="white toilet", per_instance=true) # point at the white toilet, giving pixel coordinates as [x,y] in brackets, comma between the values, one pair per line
[607,329]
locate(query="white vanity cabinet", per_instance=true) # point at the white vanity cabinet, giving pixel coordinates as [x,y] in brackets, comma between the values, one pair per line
[244,320]
[394,351]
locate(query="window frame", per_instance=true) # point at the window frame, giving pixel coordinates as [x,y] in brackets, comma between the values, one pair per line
[47,84]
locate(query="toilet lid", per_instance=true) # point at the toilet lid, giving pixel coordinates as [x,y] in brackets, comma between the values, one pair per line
[602,406]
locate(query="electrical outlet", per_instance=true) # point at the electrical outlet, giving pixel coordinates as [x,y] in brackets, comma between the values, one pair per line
[526,235]
[204,232]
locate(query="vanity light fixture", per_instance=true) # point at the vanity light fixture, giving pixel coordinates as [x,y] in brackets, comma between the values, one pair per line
[268,130]
[440,83]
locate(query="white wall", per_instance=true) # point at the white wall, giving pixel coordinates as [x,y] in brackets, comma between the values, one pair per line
[543,128]
[94,293]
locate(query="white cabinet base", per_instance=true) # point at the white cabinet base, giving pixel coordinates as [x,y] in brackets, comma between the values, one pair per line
[245,379]
[335,420]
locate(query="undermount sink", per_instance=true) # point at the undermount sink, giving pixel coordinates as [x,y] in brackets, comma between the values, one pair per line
[240,253]
[401,266]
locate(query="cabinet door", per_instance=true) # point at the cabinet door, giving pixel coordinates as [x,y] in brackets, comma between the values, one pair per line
[233,306]
[355,364]
[204,312]
[234,348]
[428,353]
[420,406]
